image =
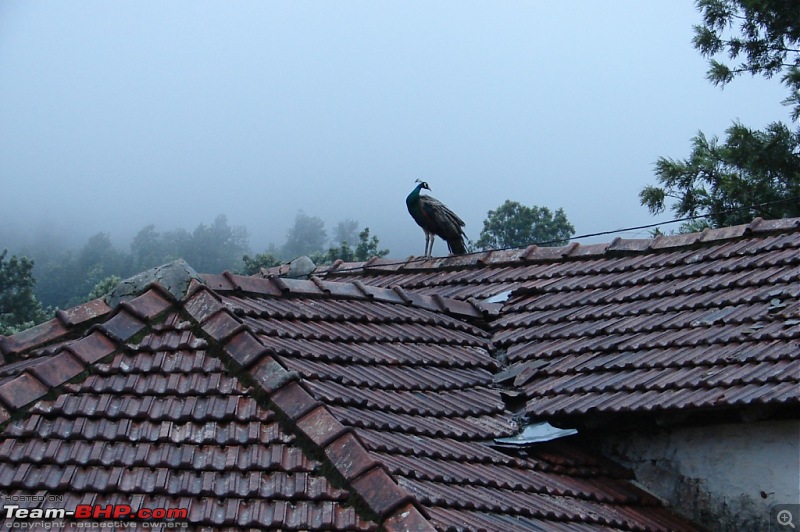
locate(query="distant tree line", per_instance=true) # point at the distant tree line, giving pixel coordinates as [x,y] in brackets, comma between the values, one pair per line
[32,286]
[41,279]
[65,278]
[308,237]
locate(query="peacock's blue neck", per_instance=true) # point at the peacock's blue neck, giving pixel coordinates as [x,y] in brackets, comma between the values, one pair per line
[414,196]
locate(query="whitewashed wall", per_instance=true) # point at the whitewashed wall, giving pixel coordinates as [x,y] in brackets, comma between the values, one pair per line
[725,477]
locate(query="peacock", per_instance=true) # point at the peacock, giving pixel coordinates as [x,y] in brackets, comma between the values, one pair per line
[436,219]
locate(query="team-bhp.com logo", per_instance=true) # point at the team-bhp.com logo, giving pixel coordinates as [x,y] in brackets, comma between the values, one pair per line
[95,516]
[86,511]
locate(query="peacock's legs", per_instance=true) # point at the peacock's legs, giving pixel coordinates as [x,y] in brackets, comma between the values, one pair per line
[428,244]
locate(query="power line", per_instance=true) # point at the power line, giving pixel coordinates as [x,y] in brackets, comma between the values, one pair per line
[677,220]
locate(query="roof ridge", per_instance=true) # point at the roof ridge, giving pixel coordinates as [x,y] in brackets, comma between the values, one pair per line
[317,287]
[173,279]
[54,329]
[365,476]
[99,340]
[574,250]
[170,280]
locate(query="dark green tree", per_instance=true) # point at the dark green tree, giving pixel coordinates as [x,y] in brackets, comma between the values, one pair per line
[19,308]
[67,277]
[217,247]
[96,261]
[764,35]
[106,286]
[100,259]
[514,225]
[341,252]
[366,248]
[345,231]
[306,237]
[176,244]
[251,265]
[148,249]
[752,173]
[57,276]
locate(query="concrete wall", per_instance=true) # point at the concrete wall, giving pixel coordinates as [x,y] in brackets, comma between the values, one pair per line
[725,477]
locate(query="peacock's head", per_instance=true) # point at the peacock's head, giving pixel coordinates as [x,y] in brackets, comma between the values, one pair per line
[423,184]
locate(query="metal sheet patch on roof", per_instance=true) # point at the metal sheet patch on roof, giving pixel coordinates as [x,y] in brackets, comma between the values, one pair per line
[502,297]
[536,433]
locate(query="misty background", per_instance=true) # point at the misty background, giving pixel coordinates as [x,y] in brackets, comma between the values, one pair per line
[116,115]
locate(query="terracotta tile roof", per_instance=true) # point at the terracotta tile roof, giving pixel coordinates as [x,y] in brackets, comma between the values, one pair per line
[300,405]
[159,422]
[346,372]
[703,321]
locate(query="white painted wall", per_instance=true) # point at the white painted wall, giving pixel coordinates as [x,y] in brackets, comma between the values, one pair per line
[725,477]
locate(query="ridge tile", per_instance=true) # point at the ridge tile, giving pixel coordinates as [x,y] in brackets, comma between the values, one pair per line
[293,400]
[37,335]
[349,457]
[245,349]
[122,325]
[82,313]
[148,305]
[96,346]
[202,304]
[58,370]
[407,518]
[254,285]
[217,281]
[320,426]
[381,492]
[270,374]
[222,325]
[21,390]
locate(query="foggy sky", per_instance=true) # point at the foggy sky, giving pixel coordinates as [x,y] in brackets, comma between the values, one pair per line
[118,114]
